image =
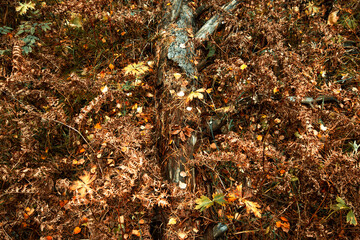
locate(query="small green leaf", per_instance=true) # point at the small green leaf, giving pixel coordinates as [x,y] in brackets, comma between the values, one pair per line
[5,30]
[45,27]
[211,49]
[203,202]
[219,198]
[350,218]
[341,203]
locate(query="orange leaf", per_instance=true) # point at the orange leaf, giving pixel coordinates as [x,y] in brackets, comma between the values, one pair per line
[98,126]
[175,132]
[82,150]
[285,226]
[333,18]
[111,66]
[84,220]
[77,230]
[187,131]
[278,224]
[48,238]
[62,203]
[182,136]
[284,219]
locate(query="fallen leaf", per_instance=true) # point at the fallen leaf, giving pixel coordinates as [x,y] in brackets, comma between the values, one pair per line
[182,235]
[333,18]
[77,230]
[177,76]
[135,232]
[253,207]
[172,221]
[203,202]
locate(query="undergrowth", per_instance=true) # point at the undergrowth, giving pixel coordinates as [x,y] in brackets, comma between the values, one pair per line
[79,151]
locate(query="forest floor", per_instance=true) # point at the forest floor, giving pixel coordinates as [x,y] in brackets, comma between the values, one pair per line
[278,100]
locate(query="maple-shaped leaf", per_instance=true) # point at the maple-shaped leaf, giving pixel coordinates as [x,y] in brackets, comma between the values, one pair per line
[350,218]
[312,9]
[83,186]
[24,7]
[219,198]
[136,69]
[252,207]
[203,202]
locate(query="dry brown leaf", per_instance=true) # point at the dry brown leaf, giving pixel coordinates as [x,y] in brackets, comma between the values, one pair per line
[333,18]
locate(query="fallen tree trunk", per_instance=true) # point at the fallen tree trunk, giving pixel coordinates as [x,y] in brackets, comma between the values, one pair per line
[179,123]
[177,78]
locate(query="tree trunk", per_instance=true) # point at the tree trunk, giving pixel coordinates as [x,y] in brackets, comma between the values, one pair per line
[179,123]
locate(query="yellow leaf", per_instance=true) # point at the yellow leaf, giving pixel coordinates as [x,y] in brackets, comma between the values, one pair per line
[97,126]
[77,230]
[252,207]
[172,221]
[111,66]
[24,7]
[136,233]
[104,89]
[177,76]
[136,69]
[259,137]
[275,90]
[242,67]
[193,95]
[201,90]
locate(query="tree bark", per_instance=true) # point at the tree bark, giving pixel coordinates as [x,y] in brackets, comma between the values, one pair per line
[178,128]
